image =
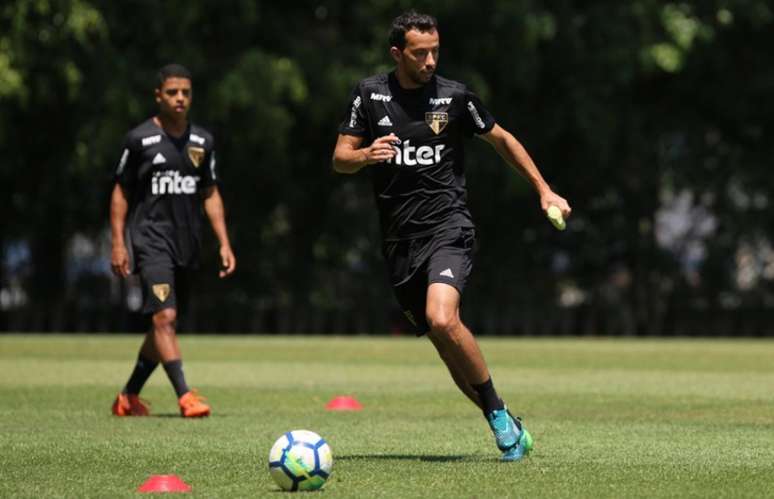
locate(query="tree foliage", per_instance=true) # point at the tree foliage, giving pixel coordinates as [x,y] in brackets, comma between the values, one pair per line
[652,117]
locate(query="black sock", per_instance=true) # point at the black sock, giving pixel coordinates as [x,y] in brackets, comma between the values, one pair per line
[142,371]
[488,396]
[174,369]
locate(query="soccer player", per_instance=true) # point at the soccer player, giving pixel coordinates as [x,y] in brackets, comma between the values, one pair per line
[165,174]
[409,126]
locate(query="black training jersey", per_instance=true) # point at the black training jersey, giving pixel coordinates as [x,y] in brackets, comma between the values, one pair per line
[422,189]
[162,177]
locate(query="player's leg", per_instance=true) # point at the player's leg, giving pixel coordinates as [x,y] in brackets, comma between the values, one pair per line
[449,263]
[448,267]
[455,371]
[459,350]
[166,344]
[407,262]
[412,297]
[457,346]
[166,290]
[447,260]
[128,402]
[148,348]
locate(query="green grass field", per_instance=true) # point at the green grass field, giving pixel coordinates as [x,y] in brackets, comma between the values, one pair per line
[611,418]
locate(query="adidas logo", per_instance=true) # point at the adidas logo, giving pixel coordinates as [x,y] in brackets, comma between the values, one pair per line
[159,159]
[410,316]
[385,121]
[447,273]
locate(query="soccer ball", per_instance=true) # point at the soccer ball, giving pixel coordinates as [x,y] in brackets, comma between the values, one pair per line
[300,460]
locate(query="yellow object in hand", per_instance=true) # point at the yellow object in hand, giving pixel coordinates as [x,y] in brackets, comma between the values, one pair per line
[555,216]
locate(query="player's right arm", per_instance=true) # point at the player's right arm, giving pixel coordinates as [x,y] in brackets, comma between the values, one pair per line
[349,157]
[119,207]
[119,256]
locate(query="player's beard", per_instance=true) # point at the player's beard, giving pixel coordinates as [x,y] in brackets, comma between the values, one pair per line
[419,77]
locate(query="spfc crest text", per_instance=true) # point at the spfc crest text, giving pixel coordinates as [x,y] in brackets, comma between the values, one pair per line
[437,121]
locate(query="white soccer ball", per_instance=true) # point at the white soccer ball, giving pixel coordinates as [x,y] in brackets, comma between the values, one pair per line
[300,460]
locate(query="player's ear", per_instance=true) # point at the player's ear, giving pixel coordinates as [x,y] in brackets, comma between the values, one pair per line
[396,54]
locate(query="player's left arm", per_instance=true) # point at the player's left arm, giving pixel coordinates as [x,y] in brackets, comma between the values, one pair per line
[216,213]
[517,156]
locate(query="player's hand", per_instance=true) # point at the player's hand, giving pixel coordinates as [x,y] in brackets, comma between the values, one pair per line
[119,260]
[551,198]
[227,262]
[381,149]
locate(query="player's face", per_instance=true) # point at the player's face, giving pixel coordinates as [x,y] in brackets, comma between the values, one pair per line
[419,59]
[174,97]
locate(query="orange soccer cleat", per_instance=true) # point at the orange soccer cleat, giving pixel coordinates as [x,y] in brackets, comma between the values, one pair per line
[192,405]
[127,404]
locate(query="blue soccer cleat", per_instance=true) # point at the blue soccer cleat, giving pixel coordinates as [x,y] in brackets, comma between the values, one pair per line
[521,449]
[505,431]
[511,437]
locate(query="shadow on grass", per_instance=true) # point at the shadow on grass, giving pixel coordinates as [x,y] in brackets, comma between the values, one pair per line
[286,492]
[409,457]
[178,416]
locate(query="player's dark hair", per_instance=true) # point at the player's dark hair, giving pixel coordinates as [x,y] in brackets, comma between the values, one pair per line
[406,22]
[173,71]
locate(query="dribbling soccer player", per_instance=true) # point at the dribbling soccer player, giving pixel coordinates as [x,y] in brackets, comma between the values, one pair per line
[165,175]
[409,126]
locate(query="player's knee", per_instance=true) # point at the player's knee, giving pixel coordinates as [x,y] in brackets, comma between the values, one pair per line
[165,319]
[442,322]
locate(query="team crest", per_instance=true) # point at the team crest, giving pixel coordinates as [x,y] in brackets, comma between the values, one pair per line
[437,121]
[196,155]
[161,291]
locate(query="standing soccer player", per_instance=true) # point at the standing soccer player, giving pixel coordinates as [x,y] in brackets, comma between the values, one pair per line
[166,172]
[410,125]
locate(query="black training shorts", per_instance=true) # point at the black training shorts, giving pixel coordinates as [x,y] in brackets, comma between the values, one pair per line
[163,286]
[414,264]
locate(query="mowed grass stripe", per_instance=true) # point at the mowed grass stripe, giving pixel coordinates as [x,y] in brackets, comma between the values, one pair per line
[697,355]
[650,420]
[318,374]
